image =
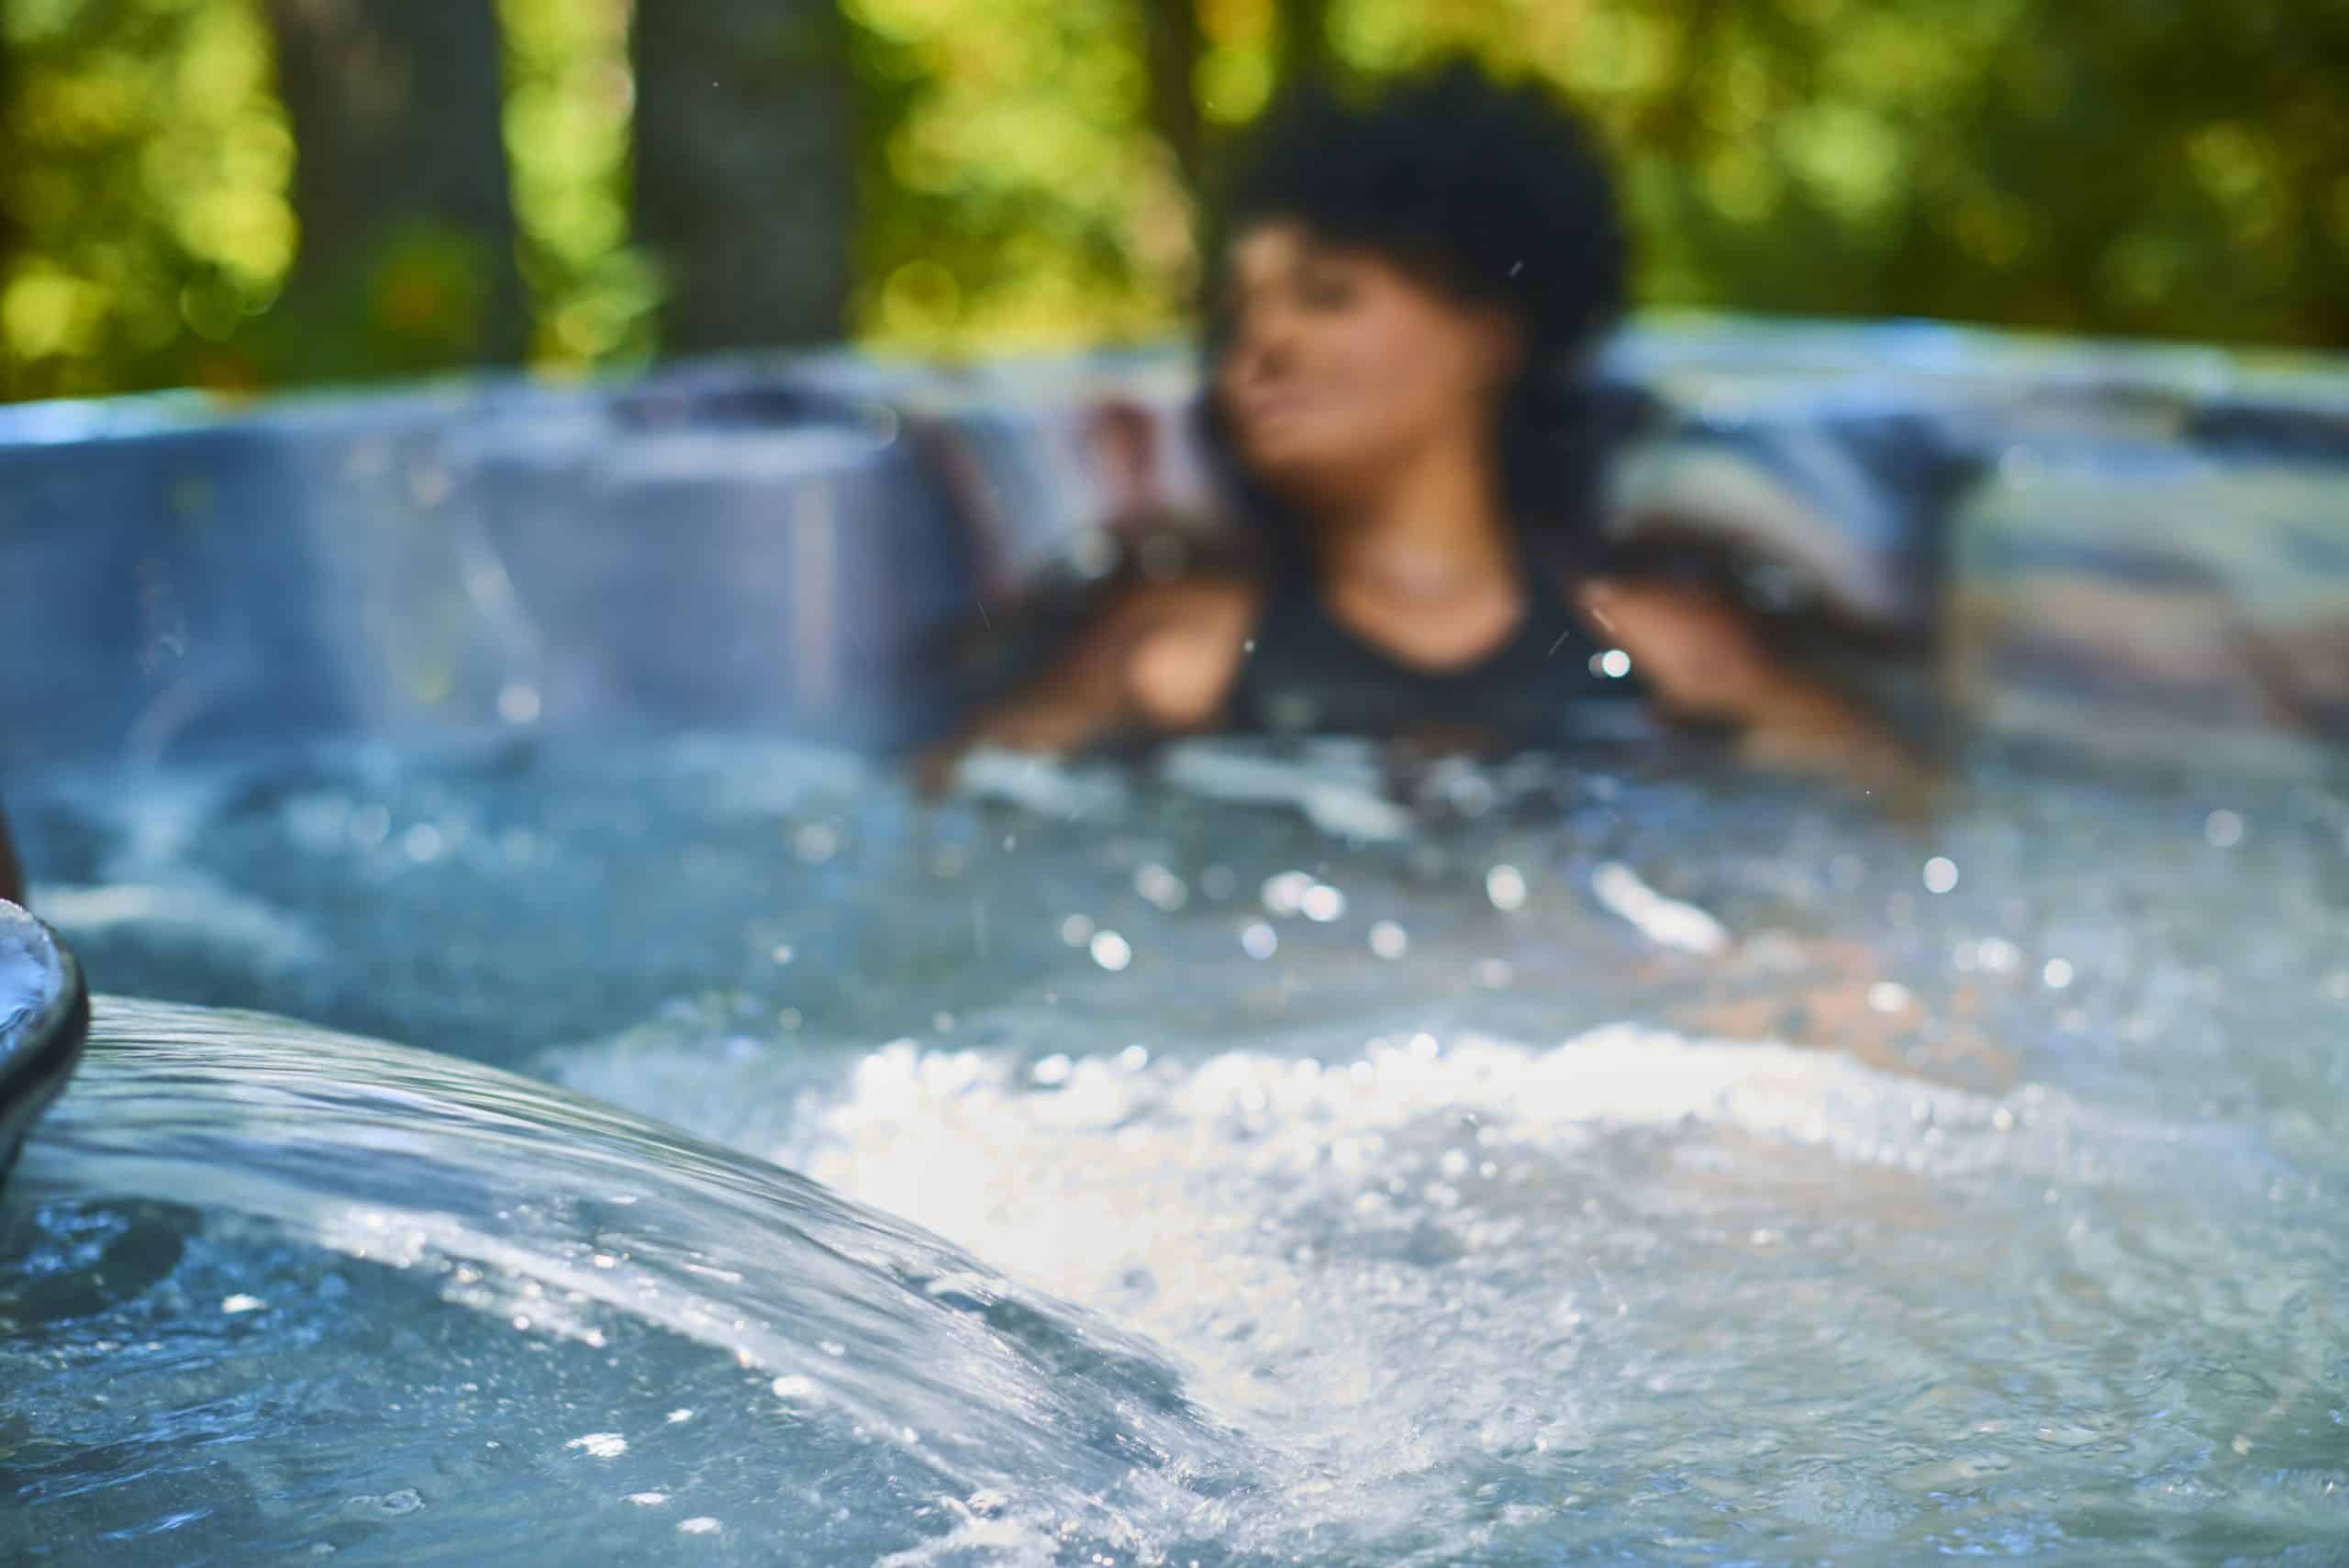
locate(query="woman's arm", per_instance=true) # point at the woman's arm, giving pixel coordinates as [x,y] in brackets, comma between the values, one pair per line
[1702,659]
[1161,658]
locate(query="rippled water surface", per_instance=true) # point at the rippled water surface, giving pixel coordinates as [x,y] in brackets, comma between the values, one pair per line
[1230,1163]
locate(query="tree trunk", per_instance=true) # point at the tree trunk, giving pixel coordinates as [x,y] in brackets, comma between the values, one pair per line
[1302,50]
[1171,46]
[745,169]
[399,182]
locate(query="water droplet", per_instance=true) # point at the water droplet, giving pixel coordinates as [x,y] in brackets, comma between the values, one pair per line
[518,704]
[816,842]
[1505,886]
[600,1445]
[1388,941]
[421,843]
[1284,894]
[1111,951]
[241,1303]
[1259,940]
[1077,931]
[1160,887]
[1322,903]
[1941,874]
[2057,974]
[783,952]
[649,1499]
[2223,829]
[699,1524]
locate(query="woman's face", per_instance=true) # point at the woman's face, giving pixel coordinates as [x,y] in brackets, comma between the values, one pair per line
[1338,365]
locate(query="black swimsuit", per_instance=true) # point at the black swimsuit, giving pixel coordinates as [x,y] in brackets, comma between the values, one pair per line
[1550,682]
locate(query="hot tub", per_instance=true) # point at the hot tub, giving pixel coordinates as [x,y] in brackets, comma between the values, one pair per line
[1250,1154]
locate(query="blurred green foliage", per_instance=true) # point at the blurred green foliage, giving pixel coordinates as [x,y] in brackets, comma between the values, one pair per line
[2101,166]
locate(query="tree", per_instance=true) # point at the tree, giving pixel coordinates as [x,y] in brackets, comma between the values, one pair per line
[407,260]
[746,169]
[11,157]
[1170,53]
[1302,50]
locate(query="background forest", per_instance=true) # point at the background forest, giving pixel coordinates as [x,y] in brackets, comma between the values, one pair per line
[243,195]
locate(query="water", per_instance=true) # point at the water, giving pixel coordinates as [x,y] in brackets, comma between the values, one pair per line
[1619,1161]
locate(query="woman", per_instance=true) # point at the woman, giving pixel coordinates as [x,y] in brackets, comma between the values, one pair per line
[1406,292]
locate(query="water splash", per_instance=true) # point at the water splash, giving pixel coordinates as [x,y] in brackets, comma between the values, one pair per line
[560,1232]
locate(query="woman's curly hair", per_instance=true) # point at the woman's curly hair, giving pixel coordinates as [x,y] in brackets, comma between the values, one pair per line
[1493,193]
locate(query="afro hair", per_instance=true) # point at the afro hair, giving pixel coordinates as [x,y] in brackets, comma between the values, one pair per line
[1494,194]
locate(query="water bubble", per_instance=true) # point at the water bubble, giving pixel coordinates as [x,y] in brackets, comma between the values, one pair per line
[782,953]
[1077,931]
[1160,887]
[1614,663]
[1887,996]
[1053,1070]
[1111,951]
[1284,891]
[1389,940]
[816,842]
[421,843]
[648,1499]
[2223,829]
[600,1445]
[240,1302]
[1999,956]
[1322,903]
[1941,874]
[1505,886]
[793,1387]
[518,704]
[701,1524]
[2057,974]
[1259,940]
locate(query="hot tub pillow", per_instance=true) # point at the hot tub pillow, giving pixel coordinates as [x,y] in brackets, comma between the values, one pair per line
[1835,515]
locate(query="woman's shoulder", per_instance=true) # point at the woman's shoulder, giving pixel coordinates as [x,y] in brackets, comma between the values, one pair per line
[1185,641]
[1200,602]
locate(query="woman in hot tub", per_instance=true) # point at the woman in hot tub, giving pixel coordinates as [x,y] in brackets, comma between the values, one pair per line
[1406,291]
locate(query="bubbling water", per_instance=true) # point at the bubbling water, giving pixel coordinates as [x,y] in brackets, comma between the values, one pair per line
[1606,1158]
